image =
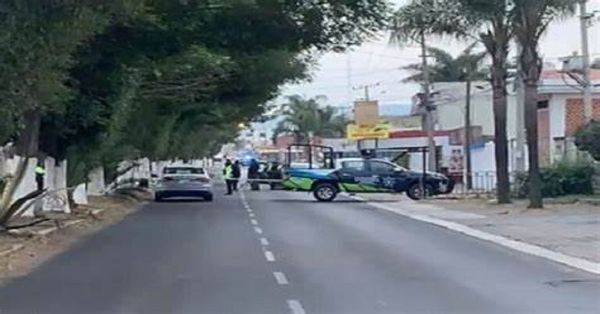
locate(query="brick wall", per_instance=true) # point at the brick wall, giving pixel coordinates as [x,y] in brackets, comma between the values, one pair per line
[575,115]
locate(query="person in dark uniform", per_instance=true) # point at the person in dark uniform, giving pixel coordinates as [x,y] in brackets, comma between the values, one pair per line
[237,173]
[253,174]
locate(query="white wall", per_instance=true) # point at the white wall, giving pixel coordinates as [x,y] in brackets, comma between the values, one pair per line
[55,181]
[451,106]
[96,185]
[557,108]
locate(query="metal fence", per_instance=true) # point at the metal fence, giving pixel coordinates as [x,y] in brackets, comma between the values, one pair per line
[484,183]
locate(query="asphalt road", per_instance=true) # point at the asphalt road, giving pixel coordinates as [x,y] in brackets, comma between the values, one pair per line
[280,252]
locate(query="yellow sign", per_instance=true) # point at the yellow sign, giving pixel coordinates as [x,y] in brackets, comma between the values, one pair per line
[379,131]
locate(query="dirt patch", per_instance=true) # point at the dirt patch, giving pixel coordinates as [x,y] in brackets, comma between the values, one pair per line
[85,220]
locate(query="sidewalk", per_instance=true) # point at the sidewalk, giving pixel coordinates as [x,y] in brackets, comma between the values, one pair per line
[572,229]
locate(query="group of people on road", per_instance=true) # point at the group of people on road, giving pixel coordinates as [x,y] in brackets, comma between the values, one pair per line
[232,173]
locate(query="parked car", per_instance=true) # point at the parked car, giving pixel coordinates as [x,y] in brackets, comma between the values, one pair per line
[359,175]
[183,182]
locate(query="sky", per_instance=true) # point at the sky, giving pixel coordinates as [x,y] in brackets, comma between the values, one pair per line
[339,76]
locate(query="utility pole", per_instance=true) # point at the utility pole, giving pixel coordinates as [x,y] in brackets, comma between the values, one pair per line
[520,118]
[366,89]
[587,88]
[468,136]
[429,123]
[349,77]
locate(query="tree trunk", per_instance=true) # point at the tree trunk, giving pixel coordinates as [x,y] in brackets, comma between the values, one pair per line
[531,127]
[27,147]
[500,138]
[531,69]
[496,43]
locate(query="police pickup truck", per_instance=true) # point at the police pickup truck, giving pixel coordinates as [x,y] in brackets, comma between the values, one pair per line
[358,175]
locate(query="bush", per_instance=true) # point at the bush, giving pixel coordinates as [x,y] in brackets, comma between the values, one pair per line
[559,180]
[586,139]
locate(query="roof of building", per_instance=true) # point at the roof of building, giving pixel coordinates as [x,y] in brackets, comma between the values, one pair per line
[417,133]
[558,75]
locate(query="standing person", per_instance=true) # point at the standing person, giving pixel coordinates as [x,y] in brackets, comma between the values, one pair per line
[237,173]
[228,175]
[40,173]
[253,174]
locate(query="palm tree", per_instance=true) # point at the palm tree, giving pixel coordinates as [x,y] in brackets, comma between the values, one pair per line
[307,117]
[530,21]
[411,23]
[467,67]
[488,22]
[447,68]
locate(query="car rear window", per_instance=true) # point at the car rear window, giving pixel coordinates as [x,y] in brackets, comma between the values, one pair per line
[183,170]
[353,165]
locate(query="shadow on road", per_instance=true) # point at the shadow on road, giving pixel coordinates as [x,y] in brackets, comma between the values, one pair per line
[182,200]
[336,201]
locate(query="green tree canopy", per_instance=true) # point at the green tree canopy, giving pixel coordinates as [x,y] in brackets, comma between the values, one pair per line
[447,68]
[302,117]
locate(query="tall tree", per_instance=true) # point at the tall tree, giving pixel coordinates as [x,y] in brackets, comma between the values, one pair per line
[37,42]
[530,21]
[412,23]
[447,68]
[105,78]
[490,23]
[304,117]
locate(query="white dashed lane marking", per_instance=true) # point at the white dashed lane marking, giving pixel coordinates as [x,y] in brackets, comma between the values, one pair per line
[296,307]
[280,278]
[264,242]
[269,256]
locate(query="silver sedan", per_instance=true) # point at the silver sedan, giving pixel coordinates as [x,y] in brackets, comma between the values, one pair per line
[184,182]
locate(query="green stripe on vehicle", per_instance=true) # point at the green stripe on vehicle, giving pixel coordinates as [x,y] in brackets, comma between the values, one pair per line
[362,188]
[297,183]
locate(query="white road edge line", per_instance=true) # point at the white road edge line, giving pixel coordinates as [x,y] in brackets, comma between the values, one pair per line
[258,230]
[251,215]
[264,241]
[531,249]
[280,278]
[254,222]
[296,307]
[269,256]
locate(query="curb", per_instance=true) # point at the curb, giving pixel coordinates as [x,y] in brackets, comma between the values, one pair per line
[13,249]
[523,247]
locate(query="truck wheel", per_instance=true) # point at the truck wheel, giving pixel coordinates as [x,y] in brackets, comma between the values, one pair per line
[414,191]
[325,192]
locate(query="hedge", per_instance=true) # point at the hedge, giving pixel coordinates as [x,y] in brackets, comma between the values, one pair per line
[561,179]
